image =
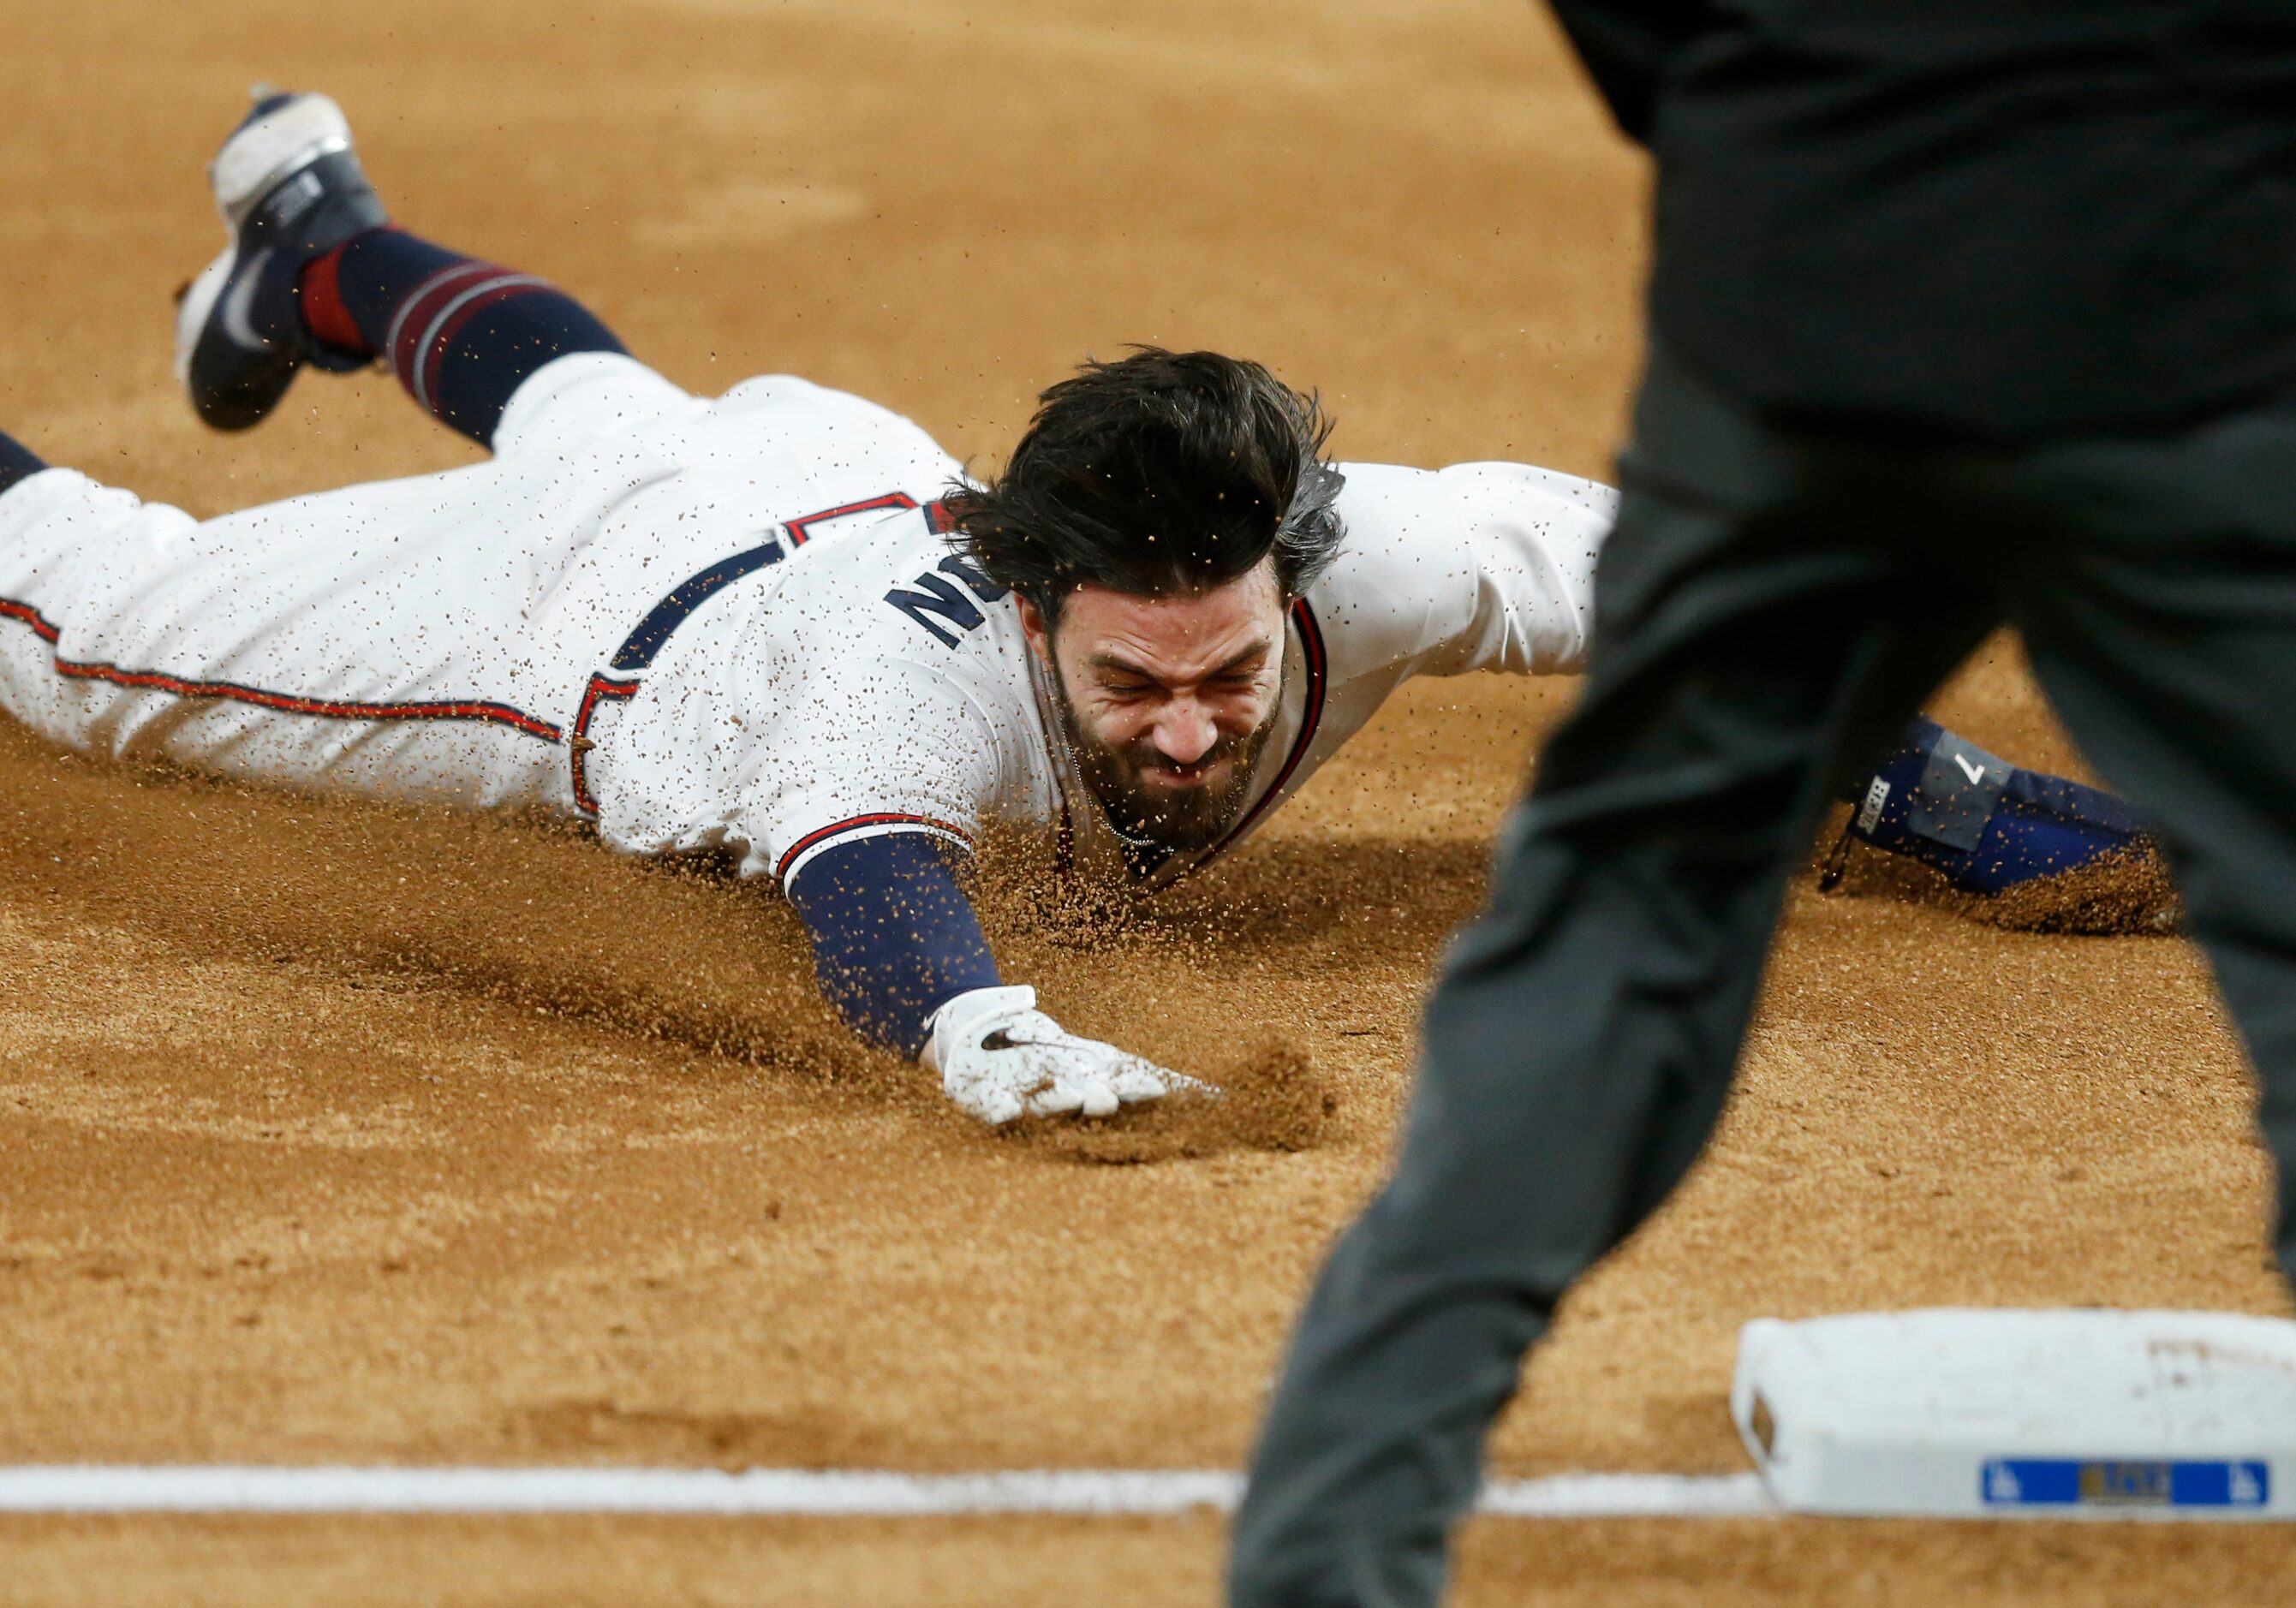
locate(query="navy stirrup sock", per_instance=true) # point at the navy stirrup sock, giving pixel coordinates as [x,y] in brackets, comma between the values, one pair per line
[461,334]
[18,462]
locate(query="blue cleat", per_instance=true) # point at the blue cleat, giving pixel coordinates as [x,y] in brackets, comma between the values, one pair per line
[290,187]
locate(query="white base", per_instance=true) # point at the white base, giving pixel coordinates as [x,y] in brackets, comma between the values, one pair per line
[2036,1415]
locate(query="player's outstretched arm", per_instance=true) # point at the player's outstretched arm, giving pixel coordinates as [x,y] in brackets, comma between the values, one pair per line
[1475,567]
[899,953]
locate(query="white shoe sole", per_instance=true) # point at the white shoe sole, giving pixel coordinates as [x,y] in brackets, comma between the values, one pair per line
[257,158]
[191,313]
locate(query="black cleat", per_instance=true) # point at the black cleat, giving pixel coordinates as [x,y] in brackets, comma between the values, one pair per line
[290,187]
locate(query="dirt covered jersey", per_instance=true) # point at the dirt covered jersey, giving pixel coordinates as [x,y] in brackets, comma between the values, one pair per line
[733,622]
[858,677]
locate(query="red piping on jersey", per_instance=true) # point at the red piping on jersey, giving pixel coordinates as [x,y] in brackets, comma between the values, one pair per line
[891,499]
[814,839]
[31,617]
[331,709]
[1311,639]
[577,745]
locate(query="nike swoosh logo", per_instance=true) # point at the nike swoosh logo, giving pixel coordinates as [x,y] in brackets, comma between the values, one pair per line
[238,297]
[1975,772]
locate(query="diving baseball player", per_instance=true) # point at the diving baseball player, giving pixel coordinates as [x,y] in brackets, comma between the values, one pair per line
[781,622]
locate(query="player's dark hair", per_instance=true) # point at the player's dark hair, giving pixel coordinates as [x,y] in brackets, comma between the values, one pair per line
[1160,472]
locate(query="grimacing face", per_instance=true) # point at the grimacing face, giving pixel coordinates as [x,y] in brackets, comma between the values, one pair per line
[1169,700]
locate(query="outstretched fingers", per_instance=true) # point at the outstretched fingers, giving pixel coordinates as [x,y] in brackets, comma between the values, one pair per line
[1001,1059]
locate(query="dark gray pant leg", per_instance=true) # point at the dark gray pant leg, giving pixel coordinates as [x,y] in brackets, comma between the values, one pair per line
[2161,621]
[1752,623]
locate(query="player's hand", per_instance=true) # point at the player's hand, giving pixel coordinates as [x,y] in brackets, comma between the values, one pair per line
[1000,1058]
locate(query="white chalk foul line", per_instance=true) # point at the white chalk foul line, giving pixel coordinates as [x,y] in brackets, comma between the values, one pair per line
[100,1488]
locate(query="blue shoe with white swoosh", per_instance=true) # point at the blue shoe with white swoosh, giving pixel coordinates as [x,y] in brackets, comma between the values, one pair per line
[290,187]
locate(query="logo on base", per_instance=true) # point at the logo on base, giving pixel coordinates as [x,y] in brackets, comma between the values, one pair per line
[2112,1482]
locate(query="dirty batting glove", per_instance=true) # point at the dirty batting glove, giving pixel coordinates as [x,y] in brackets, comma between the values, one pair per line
[1000,1058]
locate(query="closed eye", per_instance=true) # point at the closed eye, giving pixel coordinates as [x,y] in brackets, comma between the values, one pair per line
[1118,678]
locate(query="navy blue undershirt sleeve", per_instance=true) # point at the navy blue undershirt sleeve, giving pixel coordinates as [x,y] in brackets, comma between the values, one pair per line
[18,462]
[894,937]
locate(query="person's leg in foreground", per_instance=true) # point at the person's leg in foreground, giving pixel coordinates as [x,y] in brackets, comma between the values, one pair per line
[2160,614]
[1749,640]
[1581,1039]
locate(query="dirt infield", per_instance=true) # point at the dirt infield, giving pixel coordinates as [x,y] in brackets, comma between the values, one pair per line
[343,1133]
[1136,1564]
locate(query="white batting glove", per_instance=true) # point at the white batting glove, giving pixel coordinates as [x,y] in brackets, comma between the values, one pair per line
[999,1057]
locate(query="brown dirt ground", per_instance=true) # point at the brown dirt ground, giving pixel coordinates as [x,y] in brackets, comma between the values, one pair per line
[344,1133]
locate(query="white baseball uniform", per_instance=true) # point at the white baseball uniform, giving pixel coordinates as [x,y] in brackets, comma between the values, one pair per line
[734,623]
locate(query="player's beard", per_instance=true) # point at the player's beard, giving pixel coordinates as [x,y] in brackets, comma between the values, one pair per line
[1181,820]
